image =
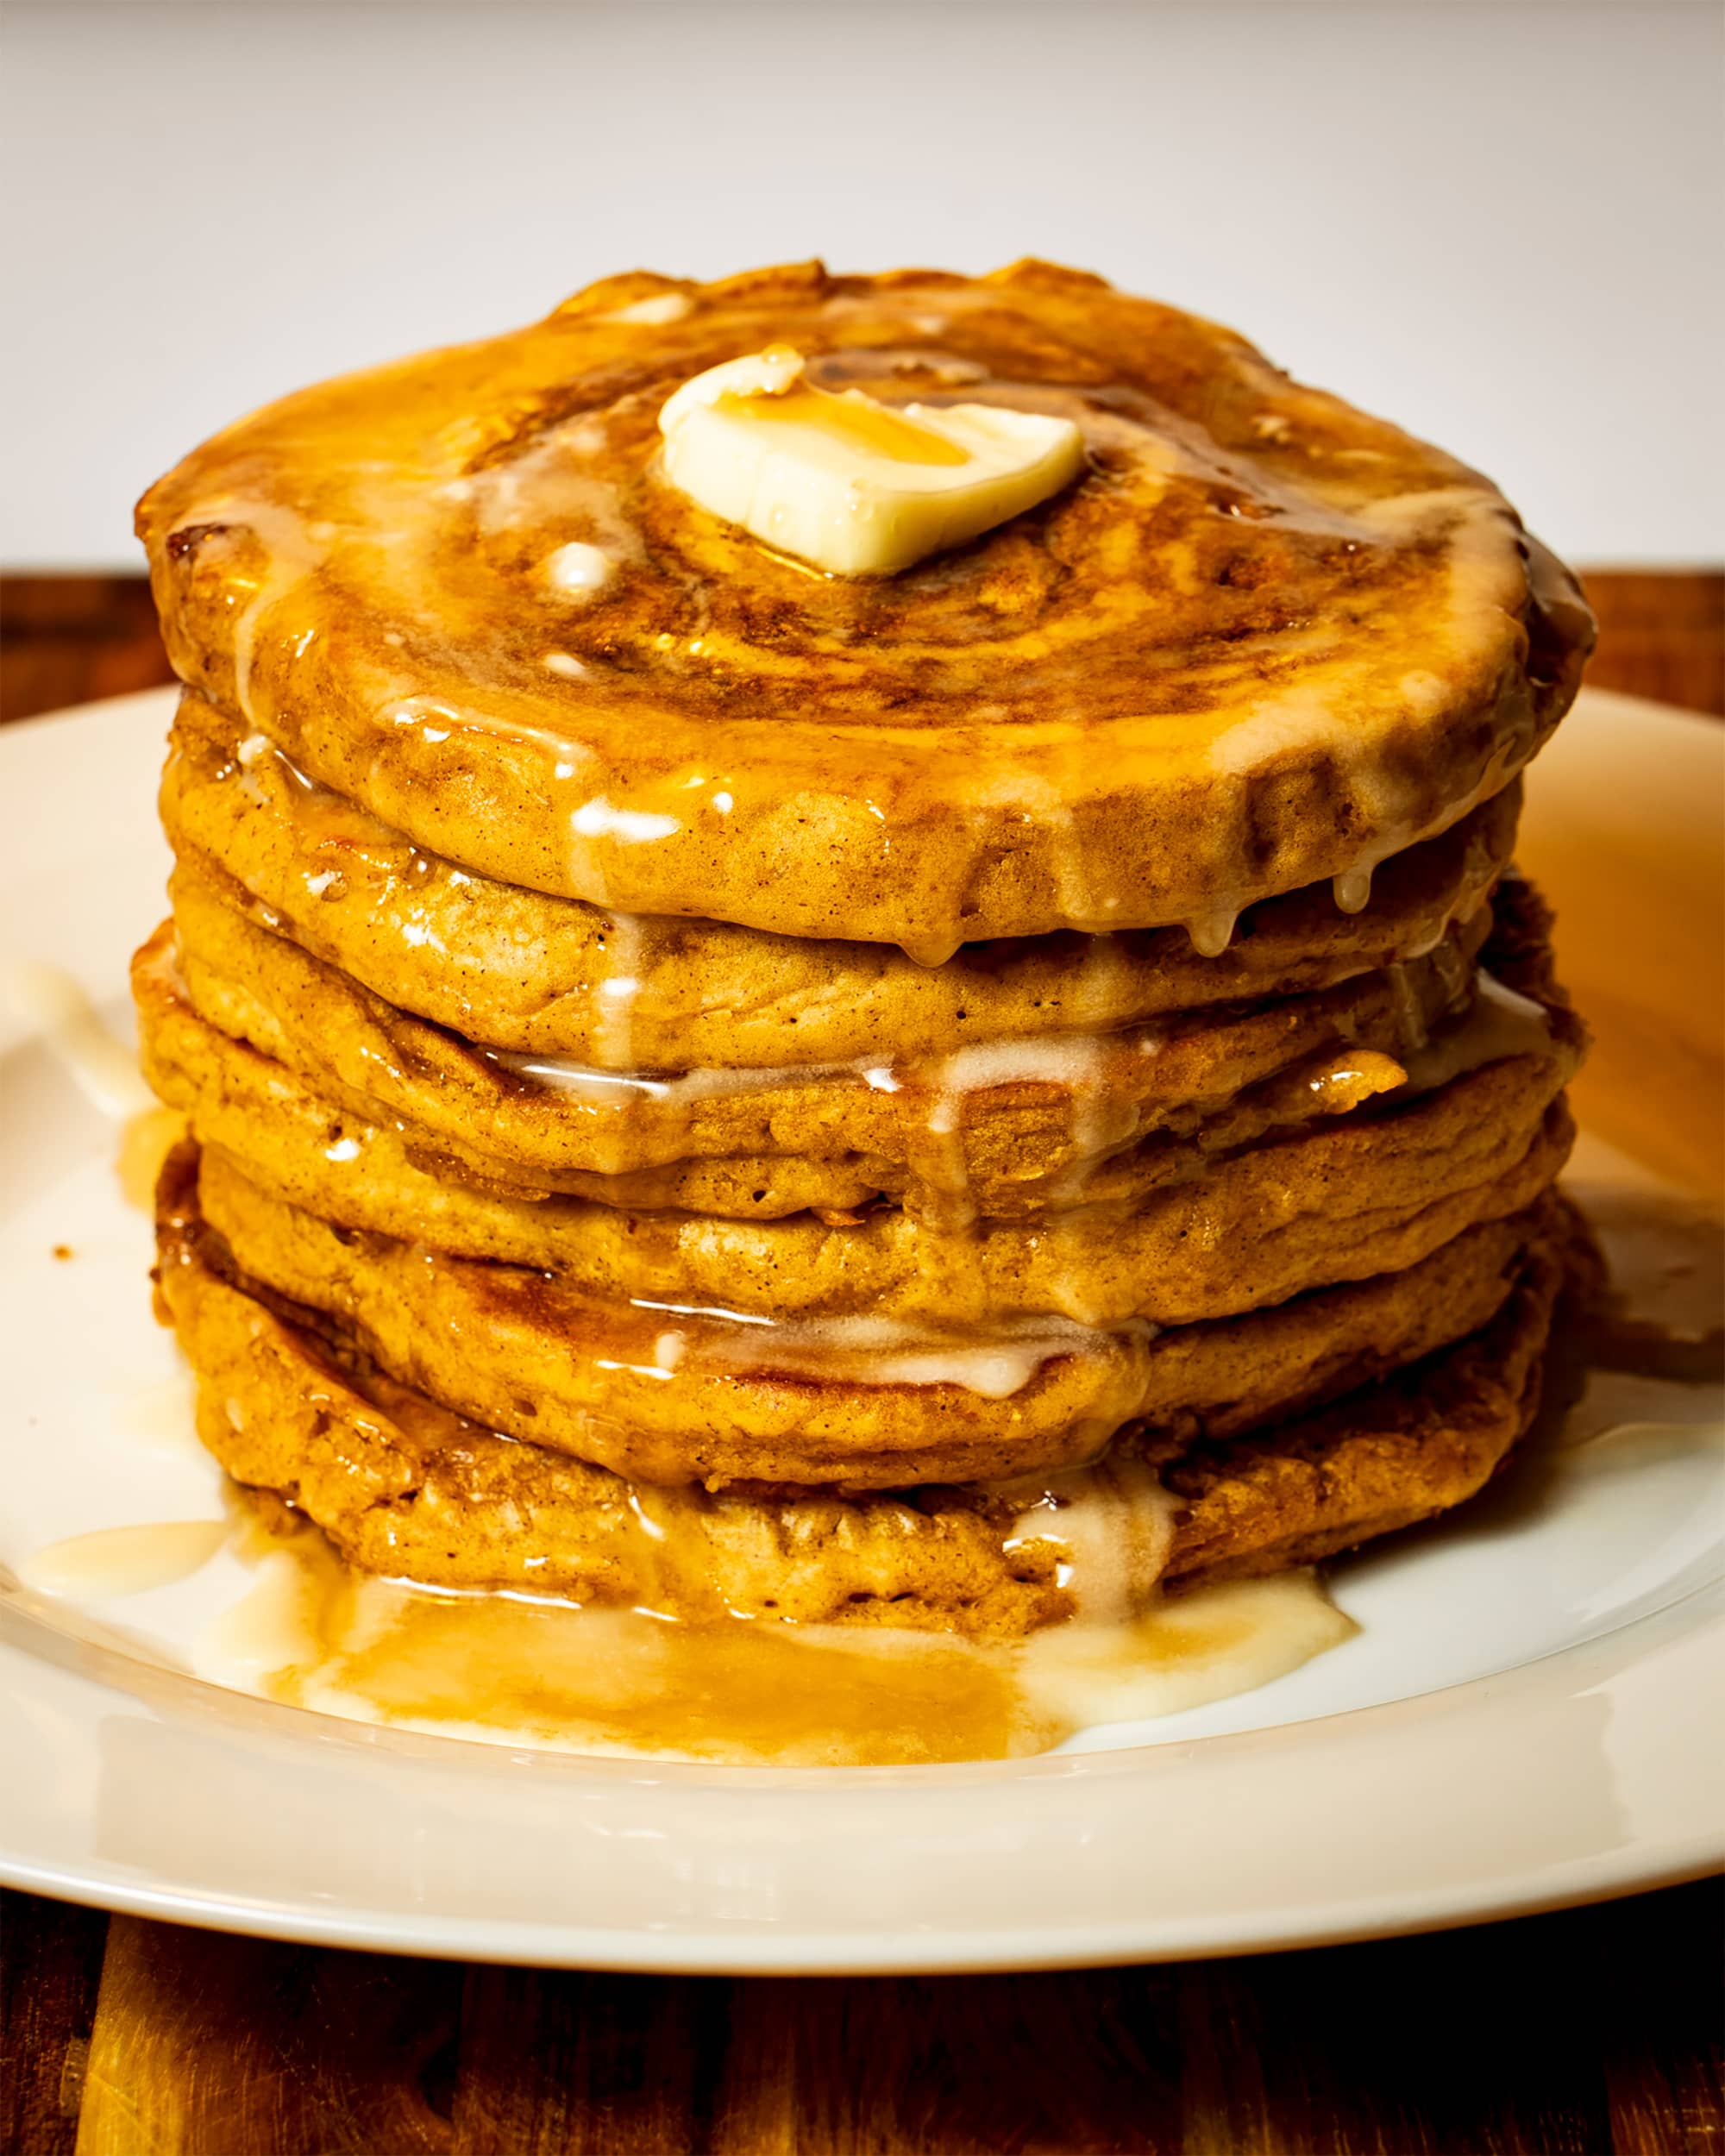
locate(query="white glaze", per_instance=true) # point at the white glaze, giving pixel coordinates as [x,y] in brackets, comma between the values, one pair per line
[1115,1522]
[113,1562]
[579,569]
[656,310]
[1499,1023]
[105,1070]
[626,962]
[1213,931]
[994,1362]
[599,819]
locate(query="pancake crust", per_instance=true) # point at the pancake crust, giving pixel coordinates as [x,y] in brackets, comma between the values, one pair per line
[404,1488]
[1372,1463]
[546,976]
[1263,642]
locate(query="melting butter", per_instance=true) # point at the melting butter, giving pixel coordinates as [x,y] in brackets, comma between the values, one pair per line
[854,486]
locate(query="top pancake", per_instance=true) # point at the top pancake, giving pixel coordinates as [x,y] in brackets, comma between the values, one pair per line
[1263,640]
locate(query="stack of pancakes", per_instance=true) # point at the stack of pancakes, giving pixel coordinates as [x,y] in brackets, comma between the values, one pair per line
[937,1101]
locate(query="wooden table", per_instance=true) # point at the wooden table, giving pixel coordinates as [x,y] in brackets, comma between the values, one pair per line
[1593,2033]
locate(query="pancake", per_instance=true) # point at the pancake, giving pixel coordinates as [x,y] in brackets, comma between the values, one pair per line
[1265,641]
[670,1393]
[954,1100]
[404,1488]
[1001,1128]
[1342,1200]
[544,976]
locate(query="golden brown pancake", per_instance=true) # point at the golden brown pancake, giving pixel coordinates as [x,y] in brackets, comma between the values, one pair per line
[546,976]
[404,1487]
[1339,1200]
[1007,1129]
[671,1392]
[1263,640]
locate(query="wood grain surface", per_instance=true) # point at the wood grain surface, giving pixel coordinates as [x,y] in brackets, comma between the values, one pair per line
[1593,2033]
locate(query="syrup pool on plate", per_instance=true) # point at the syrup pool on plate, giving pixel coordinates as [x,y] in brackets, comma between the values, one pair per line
[509,1669]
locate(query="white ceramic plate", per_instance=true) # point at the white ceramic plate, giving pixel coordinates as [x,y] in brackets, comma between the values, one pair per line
[1533,1713]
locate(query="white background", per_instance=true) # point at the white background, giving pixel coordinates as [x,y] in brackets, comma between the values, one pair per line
[1498,223]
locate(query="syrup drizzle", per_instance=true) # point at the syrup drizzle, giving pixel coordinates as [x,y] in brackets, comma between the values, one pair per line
[1101,1113]
[343,852]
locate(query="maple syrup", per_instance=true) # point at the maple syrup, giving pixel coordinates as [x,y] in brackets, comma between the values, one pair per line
[509,1669]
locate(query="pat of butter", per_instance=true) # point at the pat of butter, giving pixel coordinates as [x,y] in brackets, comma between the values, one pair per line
[856,487]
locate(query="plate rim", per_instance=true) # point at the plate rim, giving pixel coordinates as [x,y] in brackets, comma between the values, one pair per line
[1639,1864]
